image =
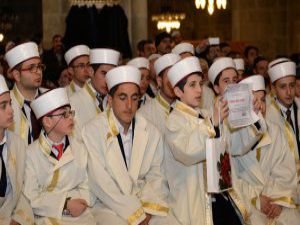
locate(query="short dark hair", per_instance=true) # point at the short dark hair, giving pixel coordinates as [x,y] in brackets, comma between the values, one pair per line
[248,49]
[258,59]
[183,81]
[142,43]
[224,44]
[160,37]
[113,90]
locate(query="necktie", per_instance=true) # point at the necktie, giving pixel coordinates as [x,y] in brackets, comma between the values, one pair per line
[100,101]
[289,118]
[3,179]
[35,126]
[60,149]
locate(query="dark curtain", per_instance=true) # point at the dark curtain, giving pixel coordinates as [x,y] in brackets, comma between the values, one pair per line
[98,28]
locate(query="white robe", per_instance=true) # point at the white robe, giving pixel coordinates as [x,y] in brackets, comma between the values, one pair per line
[124,196]
[14,205]
[156,112]
[274,115]
[72,88]
[185,164]
[85,104]
[21,124]
[48,182]
[269,169]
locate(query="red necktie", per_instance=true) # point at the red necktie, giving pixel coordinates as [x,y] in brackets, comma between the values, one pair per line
[59,148]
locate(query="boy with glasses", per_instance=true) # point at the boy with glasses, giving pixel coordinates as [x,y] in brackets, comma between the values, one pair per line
[27,70]
[55,174]
[79,67]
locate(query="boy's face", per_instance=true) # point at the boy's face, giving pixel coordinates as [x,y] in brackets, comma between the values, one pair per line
[81,69]
[98,79]
[191,94]
[124,102]
[30,74]
[60,121]
[6,111]
[228,76]
[285,89]
[145,81]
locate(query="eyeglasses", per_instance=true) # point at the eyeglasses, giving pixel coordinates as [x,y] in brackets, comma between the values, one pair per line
[65,114]
[82,66]
[33,68]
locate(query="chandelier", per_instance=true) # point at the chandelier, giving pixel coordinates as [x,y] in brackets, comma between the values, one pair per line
[168,20]
[97,3]
[221,4]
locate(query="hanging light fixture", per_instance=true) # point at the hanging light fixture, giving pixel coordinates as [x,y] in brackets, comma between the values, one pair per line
[220,4]
[97,3]
[168,18]
[168,21]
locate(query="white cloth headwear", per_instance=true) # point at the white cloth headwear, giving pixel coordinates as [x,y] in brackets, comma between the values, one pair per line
[183,48]
[21,53]
[140,63]
[165,61]
[104,56]
[123,74]
[239,64]
[218,66]
[277,61]
[154,56]
[3,85]
[257,81]
[49,101]
[282,70]
[183,68]
[76,51]
[214,41]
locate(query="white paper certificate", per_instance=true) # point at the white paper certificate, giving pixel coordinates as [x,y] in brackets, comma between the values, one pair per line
[239,98]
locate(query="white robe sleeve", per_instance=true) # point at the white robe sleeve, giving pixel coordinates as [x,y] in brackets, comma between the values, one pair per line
[43,203]
[187,143]
[155,192]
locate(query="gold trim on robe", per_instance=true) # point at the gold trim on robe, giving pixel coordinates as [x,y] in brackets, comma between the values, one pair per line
[163,103]
[155,207]
[92,94]
[135,216]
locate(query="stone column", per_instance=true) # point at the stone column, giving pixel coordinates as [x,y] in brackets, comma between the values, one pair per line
[54,15]
[137,14]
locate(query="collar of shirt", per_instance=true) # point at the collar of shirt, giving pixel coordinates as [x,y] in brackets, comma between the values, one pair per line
[3,141]
[284,109]
[51,143]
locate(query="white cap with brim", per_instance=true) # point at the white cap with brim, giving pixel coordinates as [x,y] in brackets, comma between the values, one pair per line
[104,56]
[183,68]
[76,51]
[218,66]
[183,48]
[123,74]
[165,61]
[278,61]
[3,85]
[239,64]
[281,70]
[21,53]
[49,101]
[154,56]
[257,81]
[140,63]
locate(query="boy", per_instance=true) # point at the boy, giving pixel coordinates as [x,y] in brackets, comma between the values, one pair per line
[55,175]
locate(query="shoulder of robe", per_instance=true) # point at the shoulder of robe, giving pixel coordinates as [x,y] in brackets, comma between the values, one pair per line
[176,120]
[99,122]
[17,143]
[143,122]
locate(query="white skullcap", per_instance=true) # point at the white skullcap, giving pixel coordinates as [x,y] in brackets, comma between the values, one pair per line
[76,51]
